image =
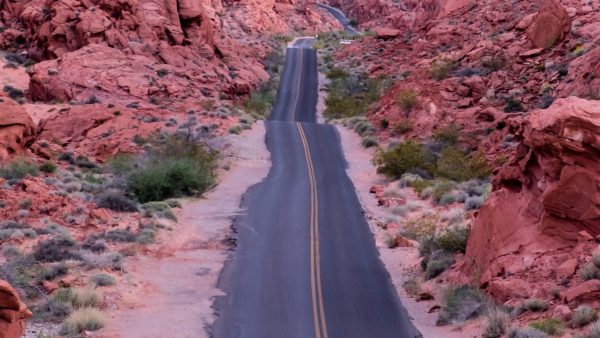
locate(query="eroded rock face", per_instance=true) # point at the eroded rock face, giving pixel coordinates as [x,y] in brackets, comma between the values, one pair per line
[13,312]
[547,194]
[17,130]
[550,25]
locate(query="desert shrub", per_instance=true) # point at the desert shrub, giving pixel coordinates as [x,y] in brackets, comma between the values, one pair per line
[369,142]
[448,135]
[351,95]
[526,332]
[84,162]
[442,188]
[401,159]
[120,235]
[589,271]
[236,130]
[513,106]
[177,168]
[453,239]
[146,236]
[108,260]
[56,249]
[494,62]
[461,303]
[440,69]
[48,167]
[94,244]
[51,311]
[407,99]
[496,325]
[53,272]
[474,203]
[438,262]
[158,209]
[593,331]
[364,128]
[116,201]
[403,127]
[85,319]
[18,169]
[336,73]
[455,164]
[412,287]
[417,229]
[583,315]
[535,305]
[447,198]
[550,326]
[102,279]
[173,203]
[85,297]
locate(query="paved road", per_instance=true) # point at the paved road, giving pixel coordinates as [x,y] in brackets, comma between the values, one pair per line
[306,264]
[341,17]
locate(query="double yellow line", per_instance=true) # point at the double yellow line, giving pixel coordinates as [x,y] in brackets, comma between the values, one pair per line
[315,257]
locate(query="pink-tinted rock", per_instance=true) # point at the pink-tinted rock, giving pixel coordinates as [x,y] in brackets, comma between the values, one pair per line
[17,130]
[550,25]
[504,290]
[13,313]
[586,291]
[547,193]
[386,33]
[562,312]
[567,269]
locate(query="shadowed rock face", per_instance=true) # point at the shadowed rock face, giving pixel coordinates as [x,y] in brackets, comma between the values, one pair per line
[16,128]
[548,193]
[13,312]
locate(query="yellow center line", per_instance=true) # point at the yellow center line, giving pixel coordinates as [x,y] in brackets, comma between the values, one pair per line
[315,254]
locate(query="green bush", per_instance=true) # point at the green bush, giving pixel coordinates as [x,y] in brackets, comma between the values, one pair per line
[513,106]
[179,167]
[336,73]
[441,69]
[369,142]
[351,96]
[18,169]
[85,319]
[455,164]
[48,167]
[407,99]
[550,326]
[453,239]
[535,305]
[461,303]
[401,159]
[116,201]
[448,135]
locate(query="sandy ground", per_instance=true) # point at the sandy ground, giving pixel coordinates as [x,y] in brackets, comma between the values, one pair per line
[172,296]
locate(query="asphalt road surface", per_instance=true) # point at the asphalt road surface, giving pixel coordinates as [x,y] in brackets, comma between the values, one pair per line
[341,17]
[306,264]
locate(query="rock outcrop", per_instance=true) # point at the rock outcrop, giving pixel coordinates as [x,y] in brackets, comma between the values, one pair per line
[550,26]
[17,130]
[547,197]
[13,312]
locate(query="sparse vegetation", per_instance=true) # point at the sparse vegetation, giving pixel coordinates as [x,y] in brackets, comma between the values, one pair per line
[48,167]
[102,279]
[56,249]
[85,319]
[441,69]
[350,94]
[513,105]
[550,326]
[583,315]
[526,332]
[407,99]
[497,324]
[116,201]
[18,169]
[535,305]
[461,303]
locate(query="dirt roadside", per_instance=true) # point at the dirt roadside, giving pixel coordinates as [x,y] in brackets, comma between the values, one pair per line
[171,294]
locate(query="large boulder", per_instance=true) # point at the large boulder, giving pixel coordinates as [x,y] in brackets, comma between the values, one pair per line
[17,130]
[13,312]
[551,25]
[547,193]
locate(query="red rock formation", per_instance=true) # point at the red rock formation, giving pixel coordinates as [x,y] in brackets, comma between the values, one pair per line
[547,194]
[13,312]
[16,128]
[551,24]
